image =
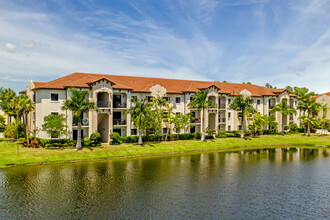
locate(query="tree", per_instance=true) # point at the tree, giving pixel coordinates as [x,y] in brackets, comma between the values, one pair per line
[6,97]
[243,105]
[24,107]
[257,122]
[270,122]
[201,102]
[78,104]
[285,110]
[55,125]
[168,117]
[310,108]
[270,86]
[2,121]
[139,111]
[182,122]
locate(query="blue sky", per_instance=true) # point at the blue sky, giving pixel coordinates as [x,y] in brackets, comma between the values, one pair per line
[280,42]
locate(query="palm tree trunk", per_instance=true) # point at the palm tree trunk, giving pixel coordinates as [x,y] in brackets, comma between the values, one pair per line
[309,129]
[27,129]
[242,127]
[282,125]
[202,125]
[78,146]
[140,134]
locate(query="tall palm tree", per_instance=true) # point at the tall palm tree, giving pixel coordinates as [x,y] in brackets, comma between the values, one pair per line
[285,110]
[244,106]
[139,111]
[6,97]
[201,102]
[312,108]
[78,104]
[24,107]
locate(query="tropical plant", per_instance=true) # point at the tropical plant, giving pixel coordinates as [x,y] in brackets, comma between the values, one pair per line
[55,125]
[6,97]
[78,104]
[257,122]
[139,111]
[24,106]
[115,138]
[270,122]
[311,107]
[200,101]
[284,110]
[2,121]
[244,106]
[182,122]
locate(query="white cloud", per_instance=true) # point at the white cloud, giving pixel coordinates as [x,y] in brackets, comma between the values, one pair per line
[27,44]
[11,48]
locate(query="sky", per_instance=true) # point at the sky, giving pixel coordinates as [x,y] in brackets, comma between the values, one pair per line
[281,42]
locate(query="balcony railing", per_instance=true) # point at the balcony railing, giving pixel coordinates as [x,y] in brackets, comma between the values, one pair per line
[196,120]
[75,123]
[119,121]
[271,106]
[119,105]
[222,106]
[103,104]
[222,120]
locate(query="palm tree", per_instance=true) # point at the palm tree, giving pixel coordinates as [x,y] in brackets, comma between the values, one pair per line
[6,97]
[139,111]
[24,107]
[244,106]
[201,102]
[285,110]
[78,104]
[312,108]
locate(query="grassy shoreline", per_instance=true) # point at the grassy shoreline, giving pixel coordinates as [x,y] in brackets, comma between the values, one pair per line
[28,156]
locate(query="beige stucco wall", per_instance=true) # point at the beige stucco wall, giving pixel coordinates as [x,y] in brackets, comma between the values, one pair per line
[324,99]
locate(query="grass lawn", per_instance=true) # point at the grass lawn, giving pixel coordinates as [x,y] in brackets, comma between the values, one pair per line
[8,149]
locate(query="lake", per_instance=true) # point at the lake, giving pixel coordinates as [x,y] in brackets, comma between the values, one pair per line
[253,184]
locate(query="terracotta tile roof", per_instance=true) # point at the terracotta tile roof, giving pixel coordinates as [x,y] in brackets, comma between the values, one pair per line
[327,94]
[36,85]
[143,84]
[23,91]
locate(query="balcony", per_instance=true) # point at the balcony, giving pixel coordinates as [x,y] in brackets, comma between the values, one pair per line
[222,120]
[75,123]
[119,105]
[196,120]
[222,106]
[119,121]
[271,106]
[103,104]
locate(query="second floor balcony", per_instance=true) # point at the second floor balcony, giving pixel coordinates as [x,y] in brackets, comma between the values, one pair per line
[222,106]
[222,120]
[196,120]
[119,121]
[119,105]
[103,104]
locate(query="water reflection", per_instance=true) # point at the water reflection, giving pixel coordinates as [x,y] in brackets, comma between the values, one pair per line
[263,183]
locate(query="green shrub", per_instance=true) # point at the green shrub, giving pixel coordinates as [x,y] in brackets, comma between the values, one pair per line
[209,137]
[230,135]
[86,142]
[13,130]
[221,135]
[95,137]
[115,138]
[293,128]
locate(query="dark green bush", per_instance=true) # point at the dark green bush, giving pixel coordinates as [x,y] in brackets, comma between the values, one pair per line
[293,128]
[86,142]
[230,135]
[115,138]
[209,137]
[95,137]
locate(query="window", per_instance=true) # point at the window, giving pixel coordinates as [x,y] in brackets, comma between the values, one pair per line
[54,113]
[229,127]
[229,101]
[191,98]
[177,99]
[239,127]
[54,97]
[134,97]
[164,130]
[229,115]
[167,99]
[258,102]
[177,131]
[240,114]
[134,131]
[149,98]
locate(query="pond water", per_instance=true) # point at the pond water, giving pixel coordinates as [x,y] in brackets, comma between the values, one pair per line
[255,184]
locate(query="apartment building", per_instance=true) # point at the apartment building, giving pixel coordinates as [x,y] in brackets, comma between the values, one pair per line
[112,95]
[324,99]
